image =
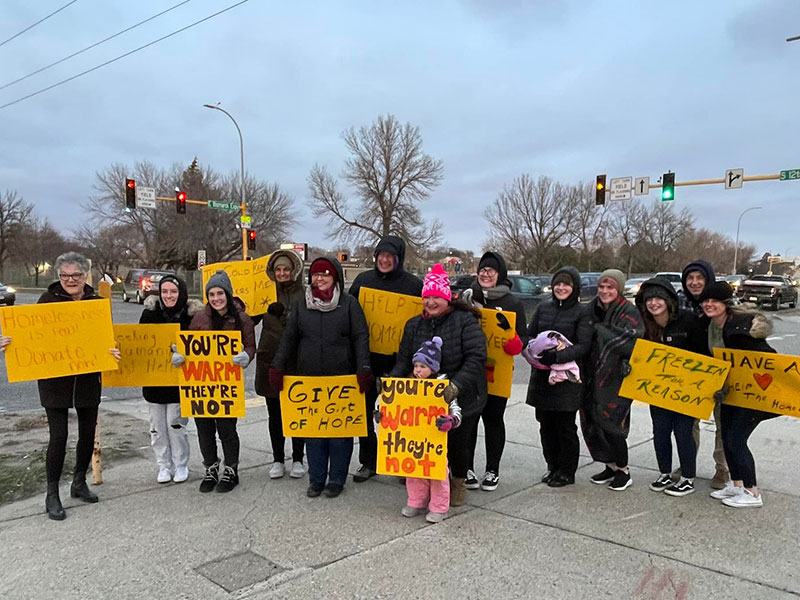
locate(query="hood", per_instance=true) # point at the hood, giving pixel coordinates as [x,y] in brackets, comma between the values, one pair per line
[652,329]
[336,265]
[297,264]
[575,275]
[743,321]
[394,245]
[183,293]
[660,282]
[699,265]
[502,272]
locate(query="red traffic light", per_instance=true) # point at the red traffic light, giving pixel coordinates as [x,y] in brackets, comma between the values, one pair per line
[181,196]
[180,202]
[130,183]
[252,234]
[130,194]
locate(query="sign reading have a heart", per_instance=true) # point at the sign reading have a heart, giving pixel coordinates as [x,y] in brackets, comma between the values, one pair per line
[762,380]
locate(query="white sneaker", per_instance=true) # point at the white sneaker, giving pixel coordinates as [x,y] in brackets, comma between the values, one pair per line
[181,474]
[298,470]
[435,517]
[729,491]
[744,499]
[410,511]
[277,470]
[164,476]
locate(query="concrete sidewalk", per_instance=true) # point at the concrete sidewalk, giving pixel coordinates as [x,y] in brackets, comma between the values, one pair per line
[266,539]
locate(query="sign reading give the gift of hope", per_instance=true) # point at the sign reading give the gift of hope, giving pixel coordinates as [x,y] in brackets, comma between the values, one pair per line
[323,407]
[211,385]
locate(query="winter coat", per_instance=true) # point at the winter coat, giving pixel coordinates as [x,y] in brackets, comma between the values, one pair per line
[684,329]
[463,352]
[274,321]
[154,314]
[78,391]
[569,318]
[203,321]
[688,301]
[322,343]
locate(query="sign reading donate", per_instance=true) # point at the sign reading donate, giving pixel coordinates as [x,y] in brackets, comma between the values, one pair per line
[386,314]
[146,356]
[56,339]
[323,407]
[763,380]
[409,443]
[674,379]
[211,385]
[498,326]
[250,283]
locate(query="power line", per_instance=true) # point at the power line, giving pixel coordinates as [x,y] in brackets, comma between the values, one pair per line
[121,56]
[111,37]
[16,35]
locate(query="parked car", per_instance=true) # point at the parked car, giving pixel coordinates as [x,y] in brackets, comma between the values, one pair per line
[632,286]
[768,289]
[589,286]
[529,290]
[8,295]
[674,278]
[460,283]
[140,283]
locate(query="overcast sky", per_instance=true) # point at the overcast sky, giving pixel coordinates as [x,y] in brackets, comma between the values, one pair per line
[498,88]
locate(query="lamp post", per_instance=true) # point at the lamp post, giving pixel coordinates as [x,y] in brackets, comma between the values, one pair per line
[241,152]
[738,226]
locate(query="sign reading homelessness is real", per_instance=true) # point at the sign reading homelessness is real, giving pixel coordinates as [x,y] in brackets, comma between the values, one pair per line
[674,379]
[409,443]
[323,407]
[210,384]
[498,326]
[146,353]
[386,314]
[763,380]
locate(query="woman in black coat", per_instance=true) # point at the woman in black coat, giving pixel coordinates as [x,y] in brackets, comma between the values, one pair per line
[556,405]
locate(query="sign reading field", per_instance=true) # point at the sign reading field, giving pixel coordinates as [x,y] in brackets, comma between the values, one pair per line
[674,379]
[498,327]
[386,314]
[211,385]
[323,407]
[250,282]
[409,443]
[763,380]
[56,339]
[146,356]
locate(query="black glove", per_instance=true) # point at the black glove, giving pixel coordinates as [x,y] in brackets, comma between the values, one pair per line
[376,415]
[625,368]
[720,395]
[548,358]
[276,309]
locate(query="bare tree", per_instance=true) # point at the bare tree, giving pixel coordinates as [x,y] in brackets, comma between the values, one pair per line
[38,246]
[15,215]
[108,247]
[390,176]
[662,228]
[590,225]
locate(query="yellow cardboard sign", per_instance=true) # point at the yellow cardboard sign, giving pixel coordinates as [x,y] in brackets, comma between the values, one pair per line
[763,380]
[498,326]
[409,443]
[674,379]
[250,282]
[386,314]
[323,407]
[56,339]
[211,385]
[146,356]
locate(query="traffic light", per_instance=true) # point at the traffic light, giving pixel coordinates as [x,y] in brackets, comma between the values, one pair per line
[342,257]
[668,186]
[180,202]
[130,194]
[600,190]
[251,239]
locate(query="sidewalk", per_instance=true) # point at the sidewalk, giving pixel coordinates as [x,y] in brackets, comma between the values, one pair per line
[266,539]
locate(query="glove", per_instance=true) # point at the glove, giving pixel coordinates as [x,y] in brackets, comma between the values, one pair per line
[276,309]
[720,395]
[625,368]
[365,381]
[513,346]
[242,359]
[177,358]
[276,379]
[450,392]
[548,358]
[446,422]
[376,415]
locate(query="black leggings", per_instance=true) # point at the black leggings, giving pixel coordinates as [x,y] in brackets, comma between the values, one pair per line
[275,424]
[458,447]
[57,421]
[207,430]
[618,445]
[560,445]
[738,424]
[494,429]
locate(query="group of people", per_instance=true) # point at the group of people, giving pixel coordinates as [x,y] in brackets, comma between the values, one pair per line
[579,355]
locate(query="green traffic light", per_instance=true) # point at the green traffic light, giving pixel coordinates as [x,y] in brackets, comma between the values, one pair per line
[667,195]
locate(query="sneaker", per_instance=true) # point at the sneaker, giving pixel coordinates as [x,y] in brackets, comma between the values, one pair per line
[744,499]
[314,489]
[164,476]
[472,481]
[490,481]
[434,517]
[720,480]
[622,481]
[683,488]
[210,479]
[228,481]
[729,491]
[181,474]
[363,473]
[603,476]
[298,470]
[333,489]
[410,511]
[277,470]
[663,482]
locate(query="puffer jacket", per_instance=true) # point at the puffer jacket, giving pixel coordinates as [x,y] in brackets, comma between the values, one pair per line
[203,321]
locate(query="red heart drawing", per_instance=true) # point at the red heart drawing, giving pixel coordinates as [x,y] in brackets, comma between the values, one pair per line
[763,381]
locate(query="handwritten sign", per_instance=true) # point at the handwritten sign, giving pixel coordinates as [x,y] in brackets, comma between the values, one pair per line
[498,327]
[409,443]
[146,356]
[763,380]
[674,379]
[250,282]
[386,314]
[211,385]
[323,407]
[56,339]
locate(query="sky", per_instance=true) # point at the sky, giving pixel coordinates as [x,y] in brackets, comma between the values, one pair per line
[563,89]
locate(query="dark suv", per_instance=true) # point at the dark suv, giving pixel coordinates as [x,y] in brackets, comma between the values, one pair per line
[140,283]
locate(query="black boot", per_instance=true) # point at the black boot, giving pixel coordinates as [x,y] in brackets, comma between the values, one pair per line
[79,489]
[229,479]
[52,502]
[211,478]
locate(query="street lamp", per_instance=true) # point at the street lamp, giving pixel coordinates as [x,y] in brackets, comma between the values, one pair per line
[241,152]
[738,226]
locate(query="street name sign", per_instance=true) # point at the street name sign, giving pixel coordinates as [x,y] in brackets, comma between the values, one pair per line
[620,188]
[145,197]
[734,179]
[230,206]
[790,174]
[642,186]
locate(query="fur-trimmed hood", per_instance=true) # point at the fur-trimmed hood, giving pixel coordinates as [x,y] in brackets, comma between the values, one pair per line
[193,306]
[743,321]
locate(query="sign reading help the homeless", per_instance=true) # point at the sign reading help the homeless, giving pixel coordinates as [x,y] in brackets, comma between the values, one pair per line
[323,407]
[386,314]
[674,379]
[409,443]
[498,327]
[211,385]
[146,353]
[250,283]
[763,380]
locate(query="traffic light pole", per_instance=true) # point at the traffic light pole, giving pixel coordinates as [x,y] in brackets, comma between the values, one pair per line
[721,180]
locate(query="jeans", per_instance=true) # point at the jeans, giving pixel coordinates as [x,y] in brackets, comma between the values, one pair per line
[560,445]
[665,422]
[737,426]
[57,421]
[433,493]
[168,436]
[368,445]
[328,459]
[458,447]
[275,425]
[207,430]
[494,429]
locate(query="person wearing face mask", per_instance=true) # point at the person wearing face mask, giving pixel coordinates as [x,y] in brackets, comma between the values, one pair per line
[556,404]
[168,436]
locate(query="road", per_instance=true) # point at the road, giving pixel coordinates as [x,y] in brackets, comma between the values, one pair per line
[24,396]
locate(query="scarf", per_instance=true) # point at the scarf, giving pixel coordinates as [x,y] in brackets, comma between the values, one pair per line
[314,303]
[496,292]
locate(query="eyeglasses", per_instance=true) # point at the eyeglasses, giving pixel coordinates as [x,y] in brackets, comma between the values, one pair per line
[320,275]
[487,271]
[72,276]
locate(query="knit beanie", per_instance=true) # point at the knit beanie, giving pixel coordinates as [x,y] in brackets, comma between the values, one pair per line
[617,276]
[717,290]
[562,277]
[489,261]
[220,279]
[183,293]
[283,261]
[437,283]
[655,291]
[430,354]
[323,265]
